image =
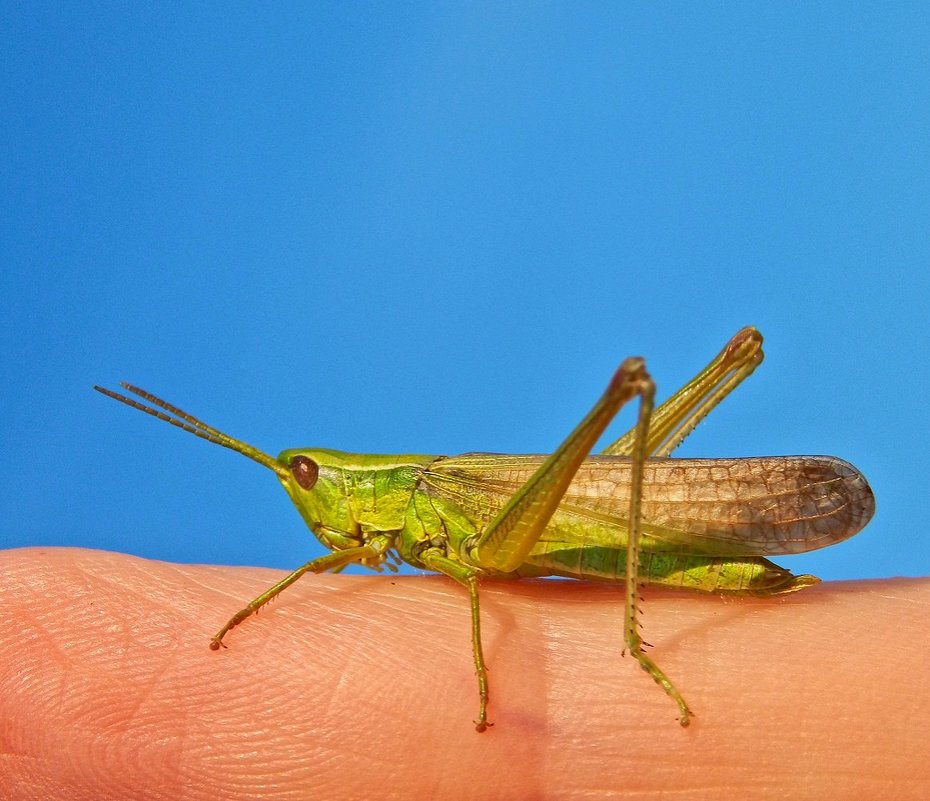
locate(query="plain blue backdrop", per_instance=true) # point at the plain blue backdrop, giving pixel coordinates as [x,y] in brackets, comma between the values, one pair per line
[439,228]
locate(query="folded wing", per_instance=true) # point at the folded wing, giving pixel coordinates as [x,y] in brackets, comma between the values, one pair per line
[762,506]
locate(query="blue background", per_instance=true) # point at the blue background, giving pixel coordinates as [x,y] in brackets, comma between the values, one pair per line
[439,229]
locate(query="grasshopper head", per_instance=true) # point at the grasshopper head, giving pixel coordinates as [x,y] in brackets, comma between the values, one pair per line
[316,484]
[311,478]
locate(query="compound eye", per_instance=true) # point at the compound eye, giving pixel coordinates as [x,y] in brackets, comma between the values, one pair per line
[305,471]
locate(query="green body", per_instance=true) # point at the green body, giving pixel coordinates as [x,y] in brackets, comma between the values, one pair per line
[421,501]
[629,514]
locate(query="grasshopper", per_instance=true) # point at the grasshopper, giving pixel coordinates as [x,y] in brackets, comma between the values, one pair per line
[629,514]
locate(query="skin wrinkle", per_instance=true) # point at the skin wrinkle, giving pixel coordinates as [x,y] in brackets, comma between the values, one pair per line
[88,717]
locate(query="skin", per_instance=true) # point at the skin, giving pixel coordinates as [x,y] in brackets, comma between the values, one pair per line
[363,687]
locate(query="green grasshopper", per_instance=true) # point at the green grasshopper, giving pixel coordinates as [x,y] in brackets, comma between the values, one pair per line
[628,514]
